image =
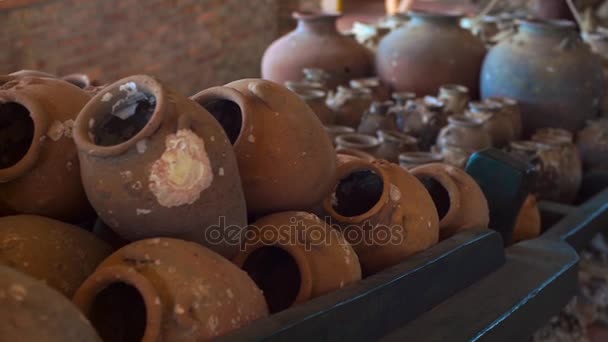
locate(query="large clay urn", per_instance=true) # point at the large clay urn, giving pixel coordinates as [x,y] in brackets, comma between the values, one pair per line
[554,76]
[285,157]
[316,43]
[154,163]
[428,52]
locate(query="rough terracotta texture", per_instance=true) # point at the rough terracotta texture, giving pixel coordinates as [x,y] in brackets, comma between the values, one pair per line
[31,311]
[154,163]
[528,224]
[314,259]
[166,289]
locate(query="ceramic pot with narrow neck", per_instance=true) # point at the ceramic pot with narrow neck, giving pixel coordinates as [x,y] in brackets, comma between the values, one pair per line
[357,141]
[316,43]
[57,253]
[459,201]
[154,163]
[285,157]
[378,117]
[428,52]
[461,138]
[294,257]
[592,144]
[422,119]
[165,289]
[538,65]
[39,170]
[494,121]
[510,109]
[315,99]
[383,211]
[32,312]
[393,143]
[528,223]
[455,96]
[349,105]
[380,91]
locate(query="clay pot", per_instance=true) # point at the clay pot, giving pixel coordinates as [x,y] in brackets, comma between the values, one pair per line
[39,171]
[380,91]
[315,99]
[59,254]
[349,105]
[393,143]
[316,43]
[592,144]
[494,121]
[348,154]
[528,224]
[550,9]
[166,289]
[422,119]
[314,79]
[429,51]
[32,312]
[384,212]
[403,97]
[334,131]
[460,139]
[455,97]
[510,108]
[154,163]
[378,117]
[537,66]
[294,257]
[277,140]
[459,201]
[82,81]
[32,73]
[410,160]
[361,142]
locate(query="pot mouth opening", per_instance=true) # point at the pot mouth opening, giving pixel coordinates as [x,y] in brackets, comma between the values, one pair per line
[370,82]
[17,131]
[315,15]
[403,96]
[454,89]
[436,16]
[396,136]
[505,101]
[229,115]
[420,157]
[439,194]
[336,129]
[461,120]
[356,140]
[527,146]
[122,115]
[119,313]
[544,25]
[357,193]
[277,273]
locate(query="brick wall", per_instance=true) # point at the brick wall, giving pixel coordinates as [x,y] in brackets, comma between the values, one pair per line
[191,44]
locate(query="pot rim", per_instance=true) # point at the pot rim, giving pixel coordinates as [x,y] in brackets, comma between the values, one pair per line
[367,82]
[454,88]
[310,94]
[546,25]
[353,152]
[333,129]
[462,120]
[436,16]
[421,156]
[396,136]
[315,15]
[358,140]
[78,79]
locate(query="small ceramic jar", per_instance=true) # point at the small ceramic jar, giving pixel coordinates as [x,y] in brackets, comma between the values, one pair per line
[334,131]
[393,143]
[592,144]
[315,99]
[455,97]
[494,121]
[378,117]
[461,138]
[349,105]
[410,160]
[510,108]
[362,142]
[380,92]
[403,97]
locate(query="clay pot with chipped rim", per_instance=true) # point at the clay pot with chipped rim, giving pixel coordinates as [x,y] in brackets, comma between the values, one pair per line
[528,223]
[592,144]
[39,170]
[461,138]
[294,257]
[165,289]
[349,105]
[410,160]
[357,141]
[275,136]
[393,143]
[333,131]
[510,109]
[155,163]
[455,97]
[315,99]
[383,211]
[32,312]
[494,121]
[378,117]
[348,154]
[57,253]
[380,91]
[459,201]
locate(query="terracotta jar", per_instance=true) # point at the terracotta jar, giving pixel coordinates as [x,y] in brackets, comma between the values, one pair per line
[32,312]
[460,139]
[294,257]
[285,157]
[39,171]
[510,109]
[393,143]
[592,144]
[528,224]
[410,160]
[315,99]
[334,131]
[494,121]
[384,212]
[455,97]
[59,254]
[430,51]
[357,141]
[165,289]
[349,105]
[82,81]
[459,201]
[553,135]
[314,79]
[348,154]
[550,9]
[403,97]
[316,43]
[537,66]
[154,163]
[380,91]
[378,117]
[422,119]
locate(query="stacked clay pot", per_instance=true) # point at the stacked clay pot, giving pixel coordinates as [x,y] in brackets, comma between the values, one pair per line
[154,163]
[494,121]
[294,257]
[461,138]
[349,105]
[39,171]
[165,289]
[285,157]
[383,211]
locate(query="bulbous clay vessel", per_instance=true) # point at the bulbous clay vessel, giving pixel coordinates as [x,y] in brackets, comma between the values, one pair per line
[316,43]
[294,257]
[165,289]
[393,143]
[494,121]
[378,117]
[380,91]
[39,171]
[461,138]
[410,160]
[528,224]
[361,142]
[59,254]
[428,52]
[349,105]
[384,212]
[315,99]
[285,157]
[455,97]
[154,163]
[592,144]
[32,312]
[459,201]
[537,66]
